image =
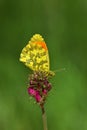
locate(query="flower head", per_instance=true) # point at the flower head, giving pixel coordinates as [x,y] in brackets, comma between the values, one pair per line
[39,86]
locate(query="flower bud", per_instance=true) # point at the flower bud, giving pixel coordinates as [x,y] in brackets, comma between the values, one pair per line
[38,97]
[32,91]
[44,91]
[49,86]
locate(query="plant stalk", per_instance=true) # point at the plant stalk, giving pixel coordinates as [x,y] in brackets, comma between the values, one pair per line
[44,119]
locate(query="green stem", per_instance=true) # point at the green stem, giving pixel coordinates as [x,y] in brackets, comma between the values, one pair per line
[44,119]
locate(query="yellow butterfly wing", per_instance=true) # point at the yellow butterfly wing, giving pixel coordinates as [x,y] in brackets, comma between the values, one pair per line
[35,54]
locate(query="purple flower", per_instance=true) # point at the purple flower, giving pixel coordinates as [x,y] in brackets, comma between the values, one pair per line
[38,97]
[49,86]
[44,91]
[32,91]
[39,86]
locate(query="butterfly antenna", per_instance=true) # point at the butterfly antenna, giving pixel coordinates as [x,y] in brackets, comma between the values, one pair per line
[62,69]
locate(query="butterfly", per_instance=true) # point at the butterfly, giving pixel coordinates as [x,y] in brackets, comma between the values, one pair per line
[35,55]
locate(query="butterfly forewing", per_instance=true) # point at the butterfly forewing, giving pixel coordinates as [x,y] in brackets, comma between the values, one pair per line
[35,54]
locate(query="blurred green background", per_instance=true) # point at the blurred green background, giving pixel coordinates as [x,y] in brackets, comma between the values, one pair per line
[63,24]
